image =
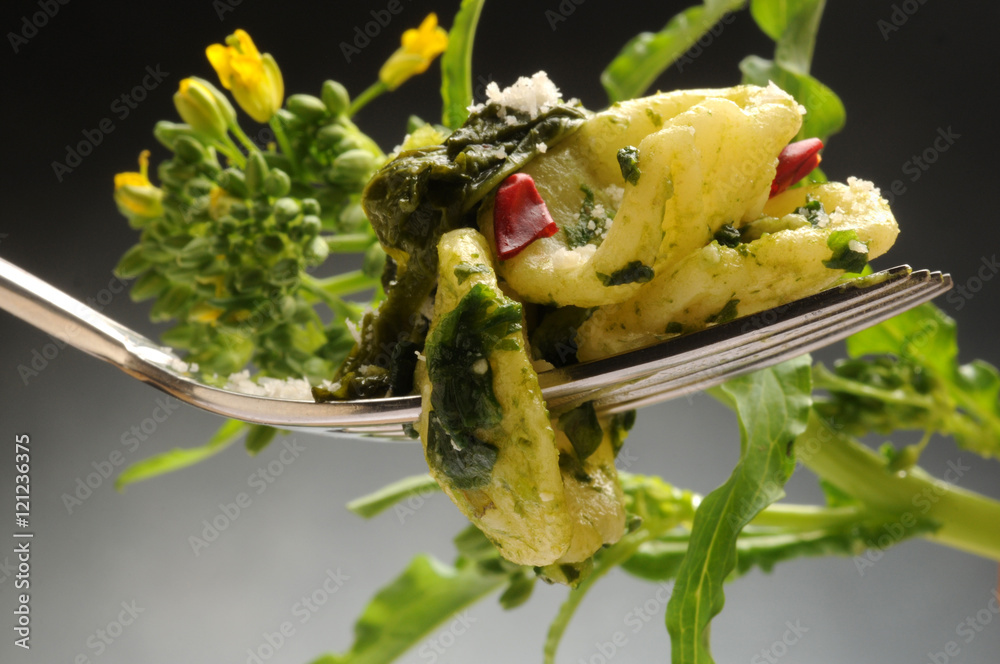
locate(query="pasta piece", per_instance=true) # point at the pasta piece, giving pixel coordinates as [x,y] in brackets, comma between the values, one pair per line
[788,253]
[484,423]
[544,493]
[705,158]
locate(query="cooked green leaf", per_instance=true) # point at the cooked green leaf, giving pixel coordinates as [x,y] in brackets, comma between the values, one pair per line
[582,428]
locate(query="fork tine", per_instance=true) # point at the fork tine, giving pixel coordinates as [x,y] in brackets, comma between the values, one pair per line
[570,381]
[709,358]
[820,331]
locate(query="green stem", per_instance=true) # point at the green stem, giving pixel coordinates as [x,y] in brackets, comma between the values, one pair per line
[807,517]
[347,283]
[232,152]
[346,310]
[608,560]
[349,243]
[361,100]
[286,147]
[242,138]
[825,379]
[968,521]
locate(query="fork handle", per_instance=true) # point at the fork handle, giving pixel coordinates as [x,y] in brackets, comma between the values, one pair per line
[57,314]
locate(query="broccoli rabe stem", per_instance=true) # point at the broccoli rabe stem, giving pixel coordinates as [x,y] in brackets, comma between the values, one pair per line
[967,521]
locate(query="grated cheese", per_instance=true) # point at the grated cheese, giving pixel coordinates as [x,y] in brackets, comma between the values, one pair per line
[532,96]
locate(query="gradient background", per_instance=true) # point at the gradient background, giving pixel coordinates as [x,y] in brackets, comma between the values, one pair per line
[937,71]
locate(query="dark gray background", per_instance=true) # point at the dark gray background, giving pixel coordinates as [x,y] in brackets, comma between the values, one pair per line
[937,71]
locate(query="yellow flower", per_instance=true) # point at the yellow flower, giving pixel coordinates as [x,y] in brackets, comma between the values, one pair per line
[135,194]
[203,107]
[419,47]
[253,78]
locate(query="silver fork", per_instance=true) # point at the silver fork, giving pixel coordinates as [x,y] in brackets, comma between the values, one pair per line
[629,380]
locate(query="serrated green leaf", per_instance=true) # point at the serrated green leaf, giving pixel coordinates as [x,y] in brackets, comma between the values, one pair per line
[456,65]
[772,406]
[647,55]
[181,458]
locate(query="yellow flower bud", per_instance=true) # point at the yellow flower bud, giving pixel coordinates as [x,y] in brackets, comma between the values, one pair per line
[204,312]
[419,48]
[135,194]
[253,78]
[201,105]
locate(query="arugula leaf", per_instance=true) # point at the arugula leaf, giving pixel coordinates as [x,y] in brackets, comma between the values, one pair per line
[258,437]
[648,54]
[772,407]
[181,458]
[793,25]
[376,502]
[825,112]
[456,65]
[413,605]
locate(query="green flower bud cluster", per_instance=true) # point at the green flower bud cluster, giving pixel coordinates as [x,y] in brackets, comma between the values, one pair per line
[859,388]
[227,257]
[332,154]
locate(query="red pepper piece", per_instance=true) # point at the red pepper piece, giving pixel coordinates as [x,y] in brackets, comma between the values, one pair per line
[795,162]
[519,216]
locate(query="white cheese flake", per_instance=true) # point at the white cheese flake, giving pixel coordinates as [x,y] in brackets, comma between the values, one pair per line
[297,389]
[532,96]
[571,259]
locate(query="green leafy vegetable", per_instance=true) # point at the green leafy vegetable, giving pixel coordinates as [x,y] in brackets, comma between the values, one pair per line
[374,503]
[847,255]
[440,184]
[456,65]
[906,375]
[420,599]
[772,407]
[793,24]
[554,338]
[633,273]
[582,428]
[725,314]
[628,161]
[588,225]
[461,394]
[649,54]
[727,236]
[176,459]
